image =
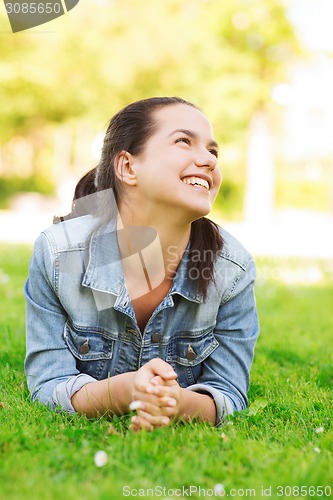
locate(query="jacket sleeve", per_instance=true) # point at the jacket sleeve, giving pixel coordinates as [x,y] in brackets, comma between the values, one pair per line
[50,368]
[226,372]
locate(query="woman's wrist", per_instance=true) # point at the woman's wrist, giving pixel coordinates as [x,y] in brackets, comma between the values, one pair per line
[113,394]
[196,405]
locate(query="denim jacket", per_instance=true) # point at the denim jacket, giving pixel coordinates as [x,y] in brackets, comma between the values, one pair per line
[81,326]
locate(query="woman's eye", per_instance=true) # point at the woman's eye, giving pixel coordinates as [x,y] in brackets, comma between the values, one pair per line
[214,152]
[184,139]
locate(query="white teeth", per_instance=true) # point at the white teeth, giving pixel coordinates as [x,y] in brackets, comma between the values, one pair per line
[196,180]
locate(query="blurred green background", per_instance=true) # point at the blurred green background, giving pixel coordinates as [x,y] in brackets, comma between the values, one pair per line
[246,63]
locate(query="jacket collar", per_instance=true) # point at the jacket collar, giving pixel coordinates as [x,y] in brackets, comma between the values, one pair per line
[104,272]
[182,284]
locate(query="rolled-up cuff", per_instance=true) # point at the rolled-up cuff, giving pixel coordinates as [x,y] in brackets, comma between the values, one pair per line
[64,391]
[223,404]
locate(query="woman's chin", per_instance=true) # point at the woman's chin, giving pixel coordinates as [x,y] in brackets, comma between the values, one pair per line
[200,210]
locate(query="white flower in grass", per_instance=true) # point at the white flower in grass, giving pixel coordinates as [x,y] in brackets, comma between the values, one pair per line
[316,449]
[224,437]
[100,458]
[219,489]
[319,430]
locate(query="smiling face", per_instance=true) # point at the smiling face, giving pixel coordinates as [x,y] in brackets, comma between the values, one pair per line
[177,171]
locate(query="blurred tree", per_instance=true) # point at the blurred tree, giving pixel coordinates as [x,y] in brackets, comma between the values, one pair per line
[252,40]
[224,55]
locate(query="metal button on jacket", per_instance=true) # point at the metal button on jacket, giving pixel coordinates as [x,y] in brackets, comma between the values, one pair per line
[156,337]
[85,347]
[191,355]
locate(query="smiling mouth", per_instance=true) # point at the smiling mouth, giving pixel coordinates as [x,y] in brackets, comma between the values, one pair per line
[196,181]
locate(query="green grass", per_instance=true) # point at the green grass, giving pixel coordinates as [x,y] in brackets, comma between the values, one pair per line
[49,455]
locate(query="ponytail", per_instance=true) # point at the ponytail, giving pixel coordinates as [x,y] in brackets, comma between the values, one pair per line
[205,246]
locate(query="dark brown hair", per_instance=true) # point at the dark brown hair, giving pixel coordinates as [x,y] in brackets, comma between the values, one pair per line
[129,130]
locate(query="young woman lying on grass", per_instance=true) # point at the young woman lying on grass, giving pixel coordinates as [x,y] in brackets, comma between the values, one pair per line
[144,304]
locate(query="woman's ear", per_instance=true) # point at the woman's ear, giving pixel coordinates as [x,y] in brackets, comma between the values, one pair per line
[124,166]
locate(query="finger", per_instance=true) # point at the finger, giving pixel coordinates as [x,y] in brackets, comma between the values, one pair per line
[138,424]
[153,420]
[167,402]
[167,407]
[146,422]
[161,396]
[157,380]
[145,397]
[133,427]
[152,409]
[170,383]
[159,390]
[136,405]
[163,369]
[168,411]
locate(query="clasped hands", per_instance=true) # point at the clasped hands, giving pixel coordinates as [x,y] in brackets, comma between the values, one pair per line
[156,396]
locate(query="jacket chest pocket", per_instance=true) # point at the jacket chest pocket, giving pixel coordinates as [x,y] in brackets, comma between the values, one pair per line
[92,348]
[186,353]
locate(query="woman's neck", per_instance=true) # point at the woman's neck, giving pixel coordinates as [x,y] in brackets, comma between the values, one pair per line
[157,246]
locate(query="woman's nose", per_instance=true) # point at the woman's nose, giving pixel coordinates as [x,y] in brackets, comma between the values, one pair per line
[206,159]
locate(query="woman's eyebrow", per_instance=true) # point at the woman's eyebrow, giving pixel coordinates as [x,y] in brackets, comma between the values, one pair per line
[194,136]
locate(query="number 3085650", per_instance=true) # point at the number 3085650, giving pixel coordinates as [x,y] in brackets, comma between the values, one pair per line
[33,8]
